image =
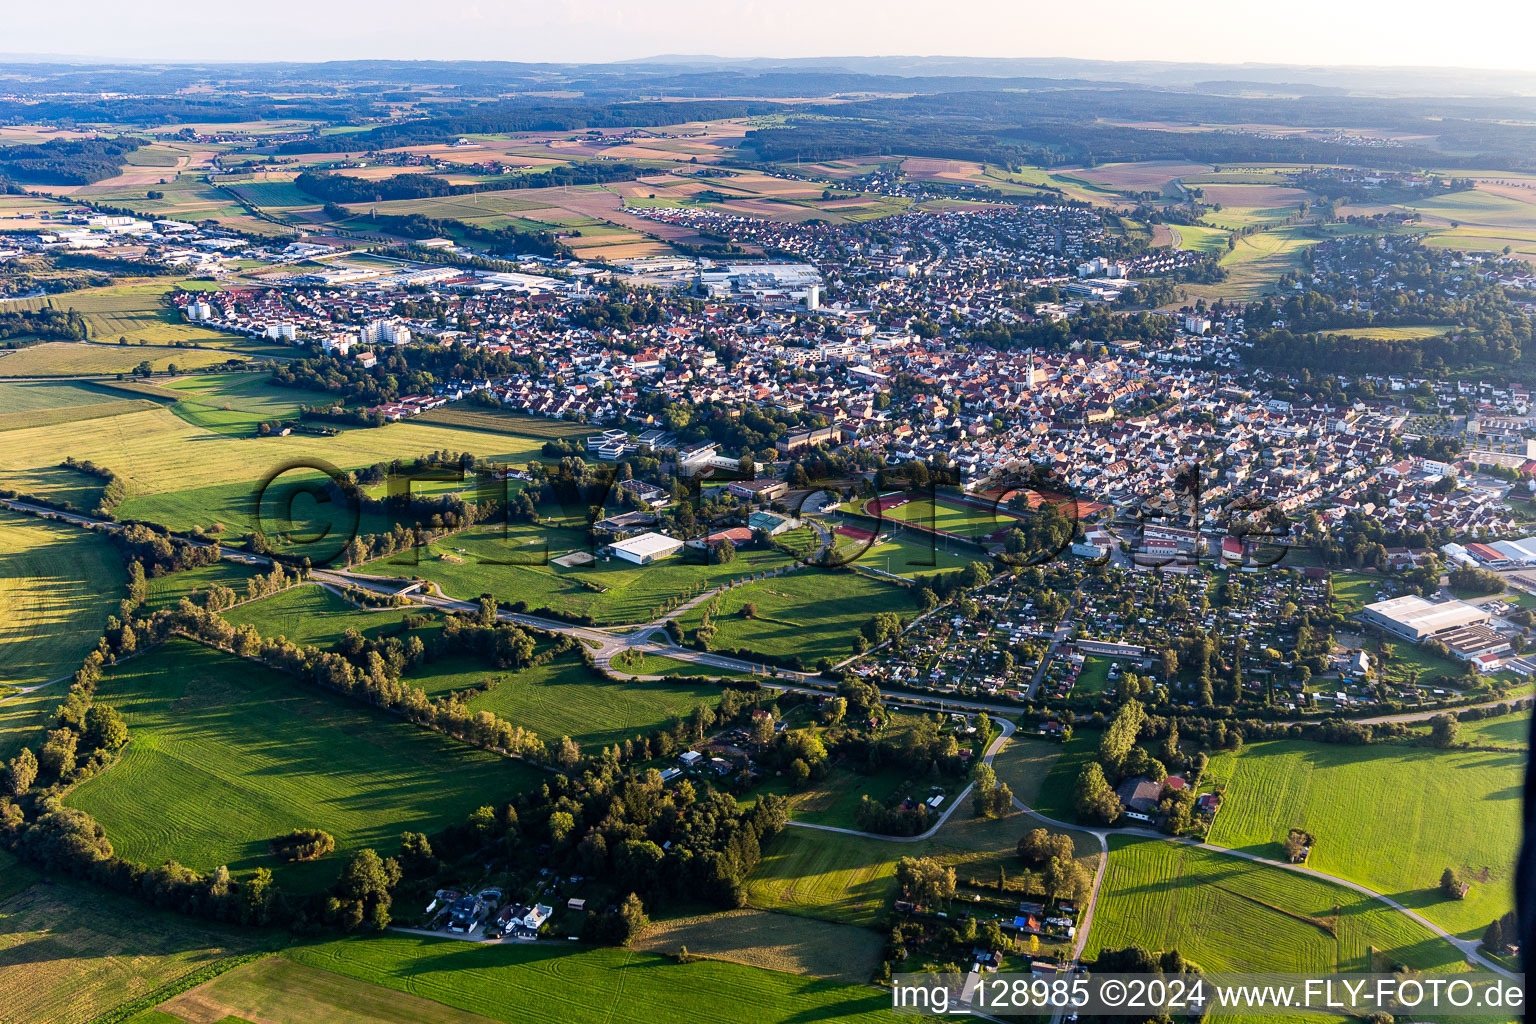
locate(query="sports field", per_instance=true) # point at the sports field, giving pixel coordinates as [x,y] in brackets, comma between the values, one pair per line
[225,755]
[70,952]
[1388,816]
[809,614]
[59,584]
[1227,914]
[949,515]
[527,982]
[902,554]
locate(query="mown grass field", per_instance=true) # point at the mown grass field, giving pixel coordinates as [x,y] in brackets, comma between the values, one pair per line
[908,554]
[565,698]
[852,880]
[1392,333]
[560,698]
[235,403]
[70,952]
[809,614]
[497,421]
[1228,914]
[1255,264]
[1391,817]
[41,396]
[57,585]
[310,614]
[67,358]
[168,590]
[25,717]
[1024,763]
[520,982]
[225,755]
[660,665]
[778,942]
[72,413]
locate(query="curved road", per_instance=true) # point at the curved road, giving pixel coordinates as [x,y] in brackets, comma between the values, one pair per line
[610,642]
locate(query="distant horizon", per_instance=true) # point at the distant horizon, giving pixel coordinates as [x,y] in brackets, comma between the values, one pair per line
[1309,33]
[707,58]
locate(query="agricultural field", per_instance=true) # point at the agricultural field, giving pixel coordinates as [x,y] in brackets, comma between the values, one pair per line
[225,755]
[73,413]
[70,952]
[1428,810]
[61,582]
[1228,914]
[778,942]
[527,982]
[25,717]
[71,358]
[1255,264]
[810,614]
[41,396]
[139,312]
[159,454]
[235,403]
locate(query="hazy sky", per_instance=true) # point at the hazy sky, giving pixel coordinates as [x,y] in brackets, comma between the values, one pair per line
[1487,34]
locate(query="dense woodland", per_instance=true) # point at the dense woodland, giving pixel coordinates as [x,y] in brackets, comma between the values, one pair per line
[66,161]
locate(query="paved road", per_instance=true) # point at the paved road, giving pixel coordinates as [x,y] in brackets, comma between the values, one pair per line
[1006,731]
[609,641]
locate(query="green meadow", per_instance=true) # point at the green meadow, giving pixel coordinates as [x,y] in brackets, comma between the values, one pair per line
[809,614]
[1228,914]
[59,584]
[1389,816]
[523,982]
[225,755]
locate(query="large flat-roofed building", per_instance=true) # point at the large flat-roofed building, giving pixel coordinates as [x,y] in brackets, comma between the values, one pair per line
[647,547]
[1417,619]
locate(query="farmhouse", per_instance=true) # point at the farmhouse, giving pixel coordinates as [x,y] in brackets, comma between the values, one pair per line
[1140,794]
[646,548]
